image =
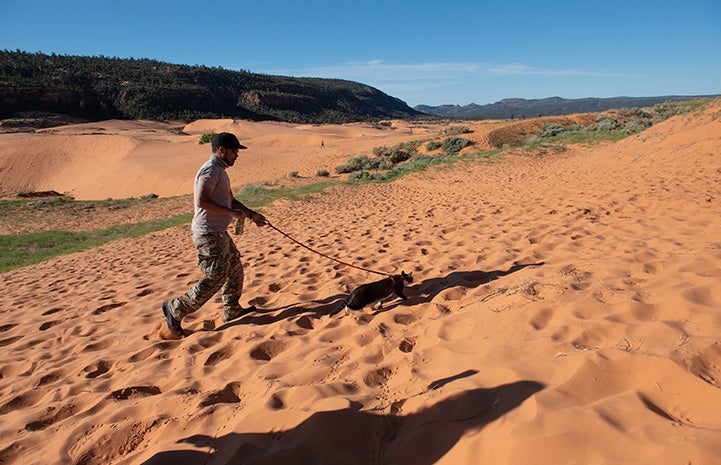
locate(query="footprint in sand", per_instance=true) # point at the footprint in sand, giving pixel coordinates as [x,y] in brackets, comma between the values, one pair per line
[4,328]
[218,356]
[701,295]
[268,350]
[276,402]
[51,378]
[49,324]
[52,310]
[305,322]
[97,369]
[442,309]
[24,400]
[206,342]
[113,443]
[10,340]
[707,364]
[407,345]
[379,377]
[653,267]
[134,392]
[105,308]
[450,295]
[274,287]
[142,355]
[66,411]
[227,395]
[404,318]
[541,318]
[100,345]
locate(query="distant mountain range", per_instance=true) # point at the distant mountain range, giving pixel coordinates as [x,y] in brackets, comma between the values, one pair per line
[552,106]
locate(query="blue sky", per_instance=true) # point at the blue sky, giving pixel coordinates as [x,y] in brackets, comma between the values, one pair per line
[423,52]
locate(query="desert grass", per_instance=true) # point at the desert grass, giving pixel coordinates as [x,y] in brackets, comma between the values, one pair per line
[39,244]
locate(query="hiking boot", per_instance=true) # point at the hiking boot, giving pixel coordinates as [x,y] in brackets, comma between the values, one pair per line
[173,324]
[232,314]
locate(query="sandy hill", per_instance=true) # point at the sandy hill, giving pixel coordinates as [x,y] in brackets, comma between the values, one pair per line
[565,309]
[120,159]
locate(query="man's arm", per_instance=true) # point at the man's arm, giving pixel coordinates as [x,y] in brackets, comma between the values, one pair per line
[202,198]
[253,216]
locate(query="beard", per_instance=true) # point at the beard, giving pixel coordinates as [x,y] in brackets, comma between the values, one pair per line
[228,161]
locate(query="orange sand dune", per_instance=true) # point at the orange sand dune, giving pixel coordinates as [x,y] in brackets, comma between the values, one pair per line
[119,159]
[565,309]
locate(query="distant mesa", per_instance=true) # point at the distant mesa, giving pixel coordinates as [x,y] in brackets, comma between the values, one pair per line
[101,88]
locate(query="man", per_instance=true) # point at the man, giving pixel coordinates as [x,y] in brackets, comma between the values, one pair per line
[218,258]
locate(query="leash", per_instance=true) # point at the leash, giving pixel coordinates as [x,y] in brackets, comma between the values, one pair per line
[324,255]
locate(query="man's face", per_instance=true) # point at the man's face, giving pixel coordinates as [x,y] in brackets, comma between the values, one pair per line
[229,155]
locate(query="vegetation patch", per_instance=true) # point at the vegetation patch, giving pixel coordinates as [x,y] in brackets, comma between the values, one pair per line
[609,126]
[433,145]
[19,250]
[206,138]
[255,196]
[455,130]
[453,145]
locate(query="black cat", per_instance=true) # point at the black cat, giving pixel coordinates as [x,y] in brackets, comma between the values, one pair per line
[376,292]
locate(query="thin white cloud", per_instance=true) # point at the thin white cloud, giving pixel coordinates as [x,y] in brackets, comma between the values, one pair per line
[523,70]
[379,71]
[433,82]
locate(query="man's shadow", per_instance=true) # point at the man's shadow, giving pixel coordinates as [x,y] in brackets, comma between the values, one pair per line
[351,436]
[422,292]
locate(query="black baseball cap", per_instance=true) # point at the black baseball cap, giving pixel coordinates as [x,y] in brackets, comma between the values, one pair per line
[227,140]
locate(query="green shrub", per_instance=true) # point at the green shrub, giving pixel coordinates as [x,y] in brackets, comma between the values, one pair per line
[322,173]
[254,190]
[386,163]
[361,162]
[293,174]
[398,153]
[634,128]
[360,176]
[455,130]
[382,151]
[433,145]
[206,138]
[453,145]
[417,163]
[553,130]
[607,123]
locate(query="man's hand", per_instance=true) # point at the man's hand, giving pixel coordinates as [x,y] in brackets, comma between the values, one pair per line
[257,218]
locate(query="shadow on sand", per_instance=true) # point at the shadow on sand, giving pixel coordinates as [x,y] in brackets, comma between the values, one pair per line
[430,288]
[418,293]
[355,437]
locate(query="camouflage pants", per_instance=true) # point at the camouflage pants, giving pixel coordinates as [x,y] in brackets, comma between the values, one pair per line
[219,260]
